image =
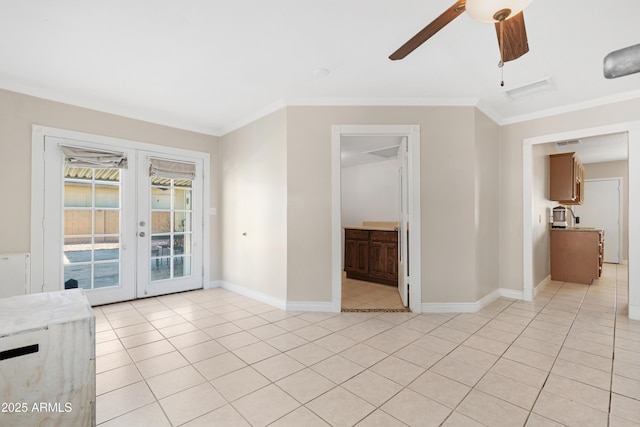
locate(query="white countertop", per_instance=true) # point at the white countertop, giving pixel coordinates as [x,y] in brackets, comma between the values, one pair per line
[577,229]
[369,228]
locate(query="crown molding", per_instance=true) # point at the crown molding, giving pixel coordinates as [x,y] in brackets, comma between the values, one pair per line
[348,102]
[598,102]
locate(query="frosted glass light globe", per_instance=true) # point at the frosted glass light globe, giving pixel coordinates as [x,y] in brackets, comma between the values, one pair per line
[483,10]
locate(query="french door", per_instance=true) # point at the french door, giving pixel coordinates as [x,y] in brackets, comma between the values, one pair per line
[121,224]
[169,225]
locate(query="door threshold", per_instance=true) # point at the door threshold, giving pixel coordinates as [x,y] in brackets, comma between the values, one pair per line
[376,310]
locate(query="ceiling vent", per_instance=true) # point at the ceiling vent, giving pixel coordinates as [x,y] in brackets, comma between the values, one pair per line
[565,143]
[386,152]
[531,89]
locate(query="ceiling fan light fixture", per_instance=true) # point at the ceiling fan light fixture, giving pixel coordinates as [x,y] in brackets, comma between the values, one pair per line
[489,10]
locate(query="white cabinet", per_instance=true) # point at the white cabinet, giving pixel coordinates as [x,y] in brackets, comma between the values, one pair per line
[47,360]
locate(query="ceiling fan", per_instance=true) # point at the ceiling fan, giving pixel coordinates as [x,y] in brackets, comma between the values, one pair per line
[505,14]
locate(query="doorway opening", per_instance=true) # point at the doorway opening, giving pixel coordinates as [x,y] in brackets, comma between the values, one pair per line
[371,184]
[372,243]
[531,217]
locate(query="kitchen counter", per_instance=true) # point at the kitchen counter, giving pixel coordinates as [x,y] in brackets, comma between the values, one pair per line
[599,230]
[370,228]
[577,254]
[375,226]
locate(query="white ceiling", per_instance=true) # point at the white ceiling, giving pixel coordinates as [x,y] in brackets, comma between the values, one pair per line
[360,150]
[601,148]
[213,65]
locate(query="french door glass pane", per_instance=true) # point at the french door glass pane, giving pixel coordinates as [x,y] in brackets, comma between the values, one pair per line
[107,196]
[171,228]
[78,222]
[160,222]
[106,274]
[182,221]
[182,266]
[92,227]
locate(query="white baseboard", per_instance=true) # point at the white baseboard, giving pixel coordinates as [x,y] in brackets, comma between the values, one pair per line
[334,306]
[311,306]
[537,288]
[470,307]
[213,284]
[250,293]
[275,302]
[510,293]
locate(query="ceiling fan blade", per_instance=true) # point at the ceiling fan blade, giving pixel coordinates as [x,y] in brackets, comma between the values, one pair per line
[427,32]
[515,38]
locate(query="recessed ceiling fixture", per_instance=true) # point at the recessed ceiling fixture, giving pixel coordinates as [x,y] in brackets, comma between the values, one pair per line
[530,89]
[321,73]
[563,143]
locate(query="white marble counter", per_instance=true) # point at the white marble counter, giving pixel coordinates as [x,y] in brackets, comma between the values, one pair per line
[577,229]
[369,228]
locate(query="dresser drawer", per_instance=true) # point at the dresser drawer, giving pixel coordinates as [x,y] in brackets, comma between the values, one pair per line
[356,234]
[384,236]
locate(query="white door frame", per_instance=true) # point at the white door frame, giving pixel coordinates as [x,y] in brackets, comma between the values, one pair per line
[528,215]
[37,193]
[412,132]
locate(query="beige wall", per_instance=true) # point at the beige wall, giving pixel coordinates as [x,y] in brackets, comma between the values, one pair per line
[450,152]
[370,192]
[457,197]
[487,198]
[254,201]
[615,170]
[18,113]
[511,201]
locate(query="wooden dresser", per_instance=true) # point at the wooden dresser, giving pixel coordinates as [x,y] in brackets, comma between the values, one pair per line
[371,254]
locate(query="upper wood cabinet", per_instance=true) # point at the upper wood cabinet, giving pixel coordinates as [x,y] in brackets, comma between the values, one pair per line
[567,179]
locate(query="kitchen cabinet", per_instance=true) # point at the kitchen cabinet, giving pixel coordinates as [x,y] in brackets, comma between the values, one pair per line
[371,255]
[566,183]
[576,254]
[356,251]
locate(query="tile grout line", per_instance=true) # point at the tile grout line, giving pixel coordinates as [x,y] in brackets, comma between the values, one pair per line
[613,349]
[393,324]
[500,357]
[561,346]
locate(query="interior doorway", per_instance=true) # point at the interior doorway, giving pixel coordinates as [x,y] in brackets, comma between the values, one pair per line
[372,184]
[409,290]
[632,130]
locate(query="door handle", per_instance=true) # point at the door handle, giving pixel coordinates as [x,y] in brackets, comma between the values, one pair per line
[141,234]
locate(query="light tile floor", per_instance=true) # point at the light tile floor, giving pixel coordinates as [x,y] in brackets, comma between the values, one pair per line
[358,294]
[214,358]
